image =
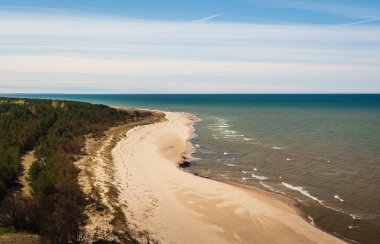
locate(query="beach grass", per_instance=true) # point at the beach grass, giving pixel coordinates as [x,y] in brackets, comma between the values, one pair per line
[4,230]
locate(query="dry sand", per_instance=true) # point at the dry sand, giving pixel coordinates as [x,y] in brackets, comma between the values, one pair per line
[26,162]
[96,179]
[178,207]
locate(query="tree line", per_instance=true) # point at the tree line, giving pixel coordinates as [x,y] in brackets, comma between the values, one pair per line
[56,130]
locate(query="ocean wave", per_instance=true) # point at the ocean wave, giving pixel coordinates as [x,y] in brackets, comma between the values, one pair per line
[244,178]
[353,226]
[193,139]
[223,126]
[222,130]
[302,191]
[354,216]
[231,135]
[271,188]
[224,176]
[339,198]
[254,169]
[277,148]
[368,216]
[311,219]
[231,165]
[306,193]
[244,172]
[259,177]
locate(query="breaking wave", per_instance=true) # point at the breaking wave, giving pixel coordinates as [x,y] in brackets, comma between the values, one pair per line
[259,177]
[302,191]
[271,188]
[339,198]
[221,129]
[277,148]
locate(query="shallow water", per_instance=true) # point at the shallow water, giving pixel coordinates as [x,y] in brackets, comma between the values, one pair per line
[323,150]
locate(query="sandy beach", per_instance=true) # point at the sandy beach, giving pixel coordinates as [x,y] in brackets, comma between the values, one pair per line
[178,207]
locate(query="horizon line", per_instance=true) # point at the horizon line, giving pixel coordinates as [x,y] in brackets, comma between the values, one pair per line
[324,93]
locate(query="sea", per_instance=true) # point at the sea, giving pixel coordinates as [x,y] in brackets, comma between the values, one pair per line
[321,150]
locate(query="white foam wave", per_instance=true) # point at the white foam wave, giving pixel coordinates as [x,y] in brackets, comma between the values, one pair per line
[353,226]
[231,165]
[339,198]
[259,177]
[354,216]
[306,193]
[271,188]
[311,220]
[225,153]
[277,148]
[225,177]
[222,130]
[223,126]
[244,178]
[231,135]
[254,169]
[244,172]
[302,191]
[340,211]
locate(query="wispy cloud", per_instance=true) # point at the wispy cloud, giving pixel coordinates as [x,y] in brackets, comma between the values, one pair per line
[79,54]
[347,9]
[208,18]
[360,22]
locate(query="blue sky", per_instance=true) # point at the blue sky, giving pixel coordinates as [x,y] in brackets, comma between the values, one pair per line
[258,11]
[176,46]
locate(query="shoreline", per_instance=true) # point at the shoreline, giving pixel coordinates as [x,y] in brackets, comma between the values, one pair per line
[284,198]
[220,211]
[292,202]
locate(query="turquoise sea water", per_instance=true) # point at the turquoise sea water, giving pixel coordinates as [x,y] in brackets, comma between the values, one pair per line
[322,150]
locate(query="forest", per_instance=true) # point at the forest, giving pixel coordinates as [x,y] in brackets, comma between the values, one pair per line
[56,131]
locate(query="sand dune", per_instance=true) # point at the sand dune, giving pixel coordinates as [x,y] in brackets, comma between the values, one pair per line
[178,207]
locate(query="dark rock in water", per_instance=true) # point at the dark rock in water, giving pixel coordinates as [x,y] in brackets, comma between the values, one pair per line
[101,241]
[186,164]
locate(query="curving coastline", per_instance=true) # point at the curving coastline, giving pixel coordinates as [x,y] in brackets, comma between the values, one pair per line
[178,207]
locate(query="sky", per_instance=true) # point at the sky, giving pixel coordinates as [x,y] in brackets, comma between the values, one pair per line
[197,46]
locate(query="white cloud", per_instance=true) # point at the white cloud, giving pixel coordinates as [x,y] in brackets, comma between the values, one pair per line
[86,52]
[101,66]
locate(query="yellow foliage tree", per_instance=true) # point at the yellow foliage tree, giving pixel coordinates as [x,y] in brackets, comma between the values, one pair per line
[55,104]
